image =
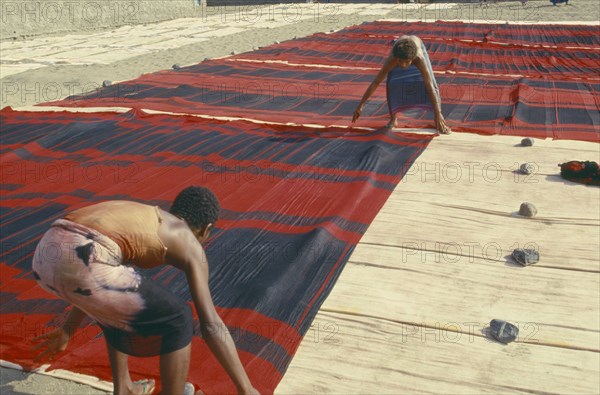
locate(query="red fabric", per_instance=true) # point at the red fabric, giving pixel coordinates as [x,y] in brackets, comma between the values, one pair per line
[537,81]
[281,241]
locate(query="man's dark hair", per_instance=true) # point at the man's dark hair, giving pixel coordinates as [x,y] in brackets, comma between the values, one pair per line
[405,49]
[198,206]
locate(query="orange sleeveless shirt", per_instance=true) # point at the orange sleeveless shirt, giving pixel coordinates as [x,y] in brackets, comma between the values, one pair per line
[133,226]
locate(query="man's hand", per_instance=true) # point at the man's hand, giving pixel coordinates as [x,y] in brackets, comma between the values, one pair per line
[51,343]
[357,113]
[440,125]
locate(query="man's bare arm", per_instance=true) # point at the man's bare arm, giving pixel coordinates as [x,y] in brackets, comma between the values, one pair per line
[54,342]
[383,72]
[185,252]
[440,122]
[429,86]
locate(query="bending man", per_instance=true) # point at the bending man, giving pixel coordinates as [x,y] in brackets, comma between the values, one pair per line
[98,246]
[407,60]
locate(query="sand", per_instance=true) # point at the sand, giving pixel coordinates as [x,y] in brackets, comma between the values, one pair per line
[15,382]
[46,68]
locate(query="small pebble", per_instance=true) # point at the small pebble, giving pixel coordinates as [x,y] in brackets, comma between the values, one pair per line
[106,83]
[503,331]
[176,66]
[527,142]
[527,210]
[527,168]
[525,256]
[233,52]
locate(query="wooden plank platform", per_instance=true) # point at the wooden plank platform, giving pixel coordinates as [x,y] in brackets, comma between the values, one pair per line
[409,312]
[373,356]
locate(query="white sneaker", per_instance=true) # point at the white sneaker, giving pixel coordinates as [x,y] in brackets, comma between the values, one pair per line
[189,388]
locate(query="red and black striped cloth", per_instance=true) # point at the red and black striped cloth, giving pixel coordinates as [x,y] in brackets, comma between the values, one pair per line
[295,200]
[538,81]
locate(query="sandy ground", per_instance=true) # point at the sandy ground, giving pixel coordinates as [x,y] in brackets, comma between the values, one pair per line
[33,70]
[15,382]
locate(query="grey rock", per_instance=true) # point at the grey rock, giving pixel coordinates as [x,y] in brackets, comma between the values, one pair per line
[527,210]
[176,66]
[527,168]
[106,83]
[525,256]
[527,142]
[503,331]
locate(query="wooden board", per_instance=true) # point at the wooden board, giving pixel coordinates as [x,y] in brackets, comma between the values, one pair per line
[463,295]
[374,356]
[472,203]
[408,314]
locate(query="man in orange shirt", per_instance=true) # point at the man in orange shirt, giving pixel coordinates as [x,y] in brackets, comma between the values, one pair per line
[88,258]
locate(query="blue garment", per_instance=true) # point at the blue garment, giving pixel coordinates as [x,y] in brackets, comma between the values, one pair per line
[406,87]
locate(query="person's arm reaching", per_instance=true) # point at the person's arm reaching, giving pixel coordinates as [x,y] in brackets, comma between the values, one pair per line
[185,252]
[56,341]
[389,65]
[434,96]
[214,331]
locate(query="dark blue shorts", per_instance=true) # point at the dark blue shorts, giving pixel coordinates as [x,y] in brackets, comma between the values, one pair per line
[164,325]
